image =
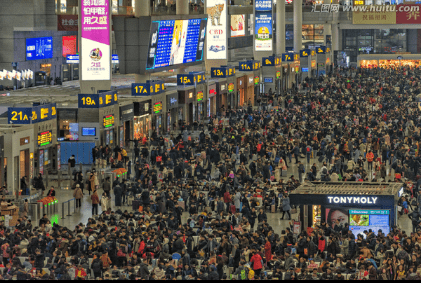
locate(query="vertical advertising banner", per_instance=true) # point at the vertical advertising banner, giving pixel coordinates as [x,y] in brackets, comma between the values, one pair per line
[237,25]
[95,40]
[263,31]
[217,29]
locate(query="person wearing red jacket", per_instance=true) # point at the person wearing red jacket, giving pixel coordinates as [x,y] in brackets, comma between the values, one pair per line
[256,260]
[141,247]
[227,199]
[370,158]
[322,244]
[80,273]
[268,251]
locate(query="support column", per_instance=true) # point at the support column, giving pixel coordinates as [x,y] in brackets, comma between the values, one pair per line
[182,7]
[335,37]
[139,78]
[298,25]
[280,27]
[327,28]
[142,8]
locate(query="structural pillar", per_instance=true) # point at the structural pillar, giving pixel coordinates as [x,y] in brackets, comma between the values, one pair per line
[280,27]
[142,8]
[327,28]
[335,37]
[298,25]
[182,7]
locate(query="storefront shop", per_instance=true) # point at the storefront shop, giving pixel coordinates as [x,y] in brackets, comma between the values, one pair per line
[157,119]
[285,77]
[256,87]
[142,119]
[201,102]
[241,85]
[172,110]
[370,206]
[249,90]
[18,145]
[295,74]
[211,101]
[67,124]
[187,105]
[221,97]
[109,129]
[126,128]
[389,60]
[233,85]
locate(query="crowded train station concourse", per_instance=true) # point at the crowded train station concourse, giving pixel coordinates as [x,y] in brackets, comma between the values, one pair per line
[210,140]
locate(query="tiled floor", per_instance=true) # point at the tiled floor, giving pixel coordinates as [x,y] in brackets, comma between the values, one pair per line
[82,214]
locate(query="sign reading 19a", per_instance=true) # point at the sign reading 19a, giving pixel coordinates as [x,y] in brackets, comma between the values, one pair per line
[88,101]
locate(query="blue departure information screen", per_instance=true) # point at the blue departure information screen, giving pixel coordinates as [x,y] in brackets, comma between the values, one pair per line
[174,42]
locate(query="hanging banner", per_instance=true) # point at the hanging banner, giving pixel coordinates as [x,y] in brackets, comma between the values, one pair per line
[237,25]
[67,23]
[408,14]
[263,25]
[216,41]
[369,17]
[95,39]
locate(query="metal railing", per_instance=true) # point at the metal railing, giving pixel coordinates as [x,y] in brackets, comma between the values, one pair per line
[63,205]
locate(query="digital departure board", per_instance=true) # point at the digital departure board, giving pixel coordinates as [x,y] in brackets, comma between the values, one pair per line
[174,42]
[45,138]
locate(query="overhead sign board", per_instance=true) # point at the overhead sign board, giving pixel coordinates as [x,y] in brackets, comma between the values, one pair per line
[148,89]
[97,100]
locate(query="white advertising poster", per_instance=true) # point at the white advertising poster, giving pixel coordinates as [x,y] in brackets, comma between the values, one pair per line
[18,76]
[95,27]
[217,29]
[1,75]
[237,25]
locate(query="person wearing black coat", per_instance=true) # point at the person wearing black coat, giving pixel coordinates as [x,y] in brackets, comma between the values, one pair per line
[351,246]
[39,259]
[331,248]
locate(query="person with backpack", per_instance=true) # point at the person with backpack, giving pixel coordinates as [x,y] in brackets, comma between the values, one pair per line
[97,267]
[242,271]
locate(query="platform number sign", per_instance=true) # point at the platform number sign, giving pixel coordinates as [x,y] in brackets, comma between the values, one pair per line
[287,57]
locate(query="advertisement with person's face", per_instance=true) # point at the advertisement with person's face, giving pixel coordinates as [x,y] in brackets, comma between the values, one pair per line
[333,215]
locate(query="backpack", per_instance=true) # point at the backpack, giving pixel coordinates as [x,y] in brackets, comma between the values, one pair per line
[308,149]
[244,273]
[96,266]
[277,160]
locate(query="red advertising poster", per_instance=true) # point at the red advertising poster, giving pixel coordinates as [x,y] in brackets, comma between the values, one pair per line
[67,23]
[69,45]
[408,14]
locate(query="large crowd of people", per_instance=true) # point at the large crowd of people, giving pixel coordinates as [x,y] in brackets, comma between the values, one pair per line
[200,203]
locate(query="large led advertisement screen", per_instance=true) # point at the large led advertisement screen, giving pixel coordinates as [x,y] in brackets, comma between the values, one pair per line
[237,25]
[175,42]
[263,25]
[361,220]
[216,45]
[39,48]
[95,39]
